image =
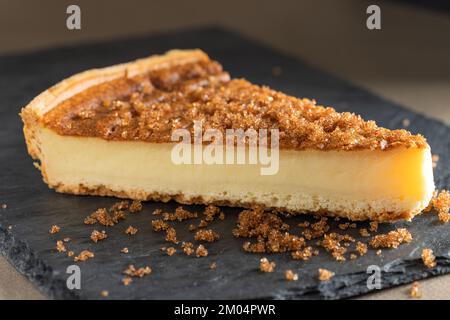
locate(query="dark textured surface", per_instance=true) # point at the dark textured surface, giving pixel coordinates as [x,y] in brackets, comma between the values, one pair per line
[33,208]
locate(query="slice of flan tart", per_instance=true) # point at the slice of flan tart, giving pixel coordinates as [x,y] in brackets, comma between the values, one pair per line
[176,127]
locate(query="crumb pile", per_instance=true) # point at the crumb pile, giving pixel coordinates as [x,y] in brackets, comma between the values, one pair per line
[392,239]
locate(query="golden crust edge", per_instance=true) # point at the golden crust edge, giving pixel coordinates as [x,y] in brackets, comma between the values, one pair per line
[104,191]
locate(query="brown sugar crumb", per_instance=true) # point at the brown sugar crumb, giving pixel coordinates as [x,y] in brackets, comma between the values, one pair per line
[70,253]
[428,258]
[97,235]
[127,281]
[157,212]
[159,225]
[188,248]
[104,293]
[206,235]
[266,266]
[344,226]
[124,250]
[180,215]
[392,239]
[373,226]
[442,205]
[213,266]
[353,225]
[331,243]
[290,275]
[203,224]
[304,254]
[435,160]
[4,206]
[171,251]
[353,256]
[364,233]
[201,251]
[222,215]
[54,229]
[304,224]
[60,246]
[361,248]
[211,211]
[66,239]
[105,218]
[135,206]
[325,275]
[258,247]
[131,230]
[192,227]
[171,235]
[378,253]
[414,291]
[131,271]
[118,206]
[84,255]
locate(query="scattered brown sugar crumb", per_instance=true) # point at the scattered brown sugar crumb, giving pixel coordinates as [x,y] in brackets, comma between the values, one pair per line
[201,251]
[361,248]
[353,256]
[428,258]
[258,247]
[4,206]
[192,227]
[211,211]
[131,230]
[304,254]
[97,235]
[331,243]
[171,251]
[406,122]
[84,255]
[157,212]
[10,227]
[392,239]
[118,206]
[127,281]
[290,275]
[442,205]
[353,225]
[206,235]
[266,266]
[304,224]
[70,253]
[435,160]
[60,246]
[171,235]
[203,224]
[104,293]
[133,272]
[135,206]
[364,233]
[325,275]
[213,266]
[415,292]
[124,250]
[105,218]
[54,229]
[159,225]
[222,215]
[373,226]
[344,226]
[180,215]
[188,248]
[66,239]
[379,252]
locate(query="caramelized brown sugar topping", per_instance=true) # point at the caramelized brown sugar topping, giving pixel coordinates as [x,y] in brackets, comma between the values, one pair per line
[150,106]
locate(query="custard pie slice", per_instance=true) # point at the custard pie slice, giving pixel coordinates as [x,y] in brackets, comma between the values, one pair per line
[109,132]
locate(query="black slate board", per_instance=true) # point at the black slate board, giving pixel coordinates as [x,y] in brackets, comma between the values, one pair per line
[33,208]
